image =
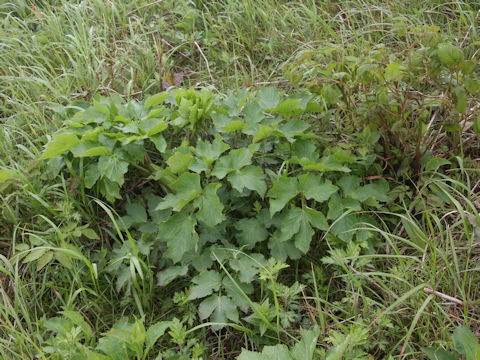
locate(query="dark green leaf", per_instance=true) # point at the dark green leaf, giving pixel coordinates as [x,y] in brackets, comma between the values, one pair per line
[205,284]
[438,354]
[314,187]
[211,151]
[209,206]
[113,168]
[268,98]
[250,232]
[179,230]
[220,309]
[235,160]
[250,177]
[187,188]
[435,163]
[282,191]
[171,273]
[137,212]
[247,266]
[305,349]
[91,175]
[159,142]
[466,343]
[277,352]
[155,332]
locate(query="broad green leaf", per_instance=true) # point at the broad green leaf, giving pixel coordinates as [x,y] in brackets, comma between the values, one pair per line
[179,162]
[156,99]
[289,107]
[316,219]
[466,343]
[209,206]
[449,54]
[155,332]
[34,254]
[307,149]
[211,151]
[305,348]
[90,234]
[282,191]
[250,232]
[234,160]
[250,177]
[277,352]
[263,132]
[393,72]
[377,190]
[137,212]
[138,333]
[292,128]
[292,222]
[344,227]
[112,347]
[159,142]
[44,260]
[435,163]
[153,126]
[281,250]
[60,144]
[314,187]
[82,147]
[268,98]
[113,168]
[97,151]
[335,208]
[304,236]
[298,225]
[198,165]
[186,187]
[253,112]
[220,309]
[231,287]
[205,284]
[179,230]
[234,125]
[220,120]
[171,273]
[91,175]
[247,266]
[438,354]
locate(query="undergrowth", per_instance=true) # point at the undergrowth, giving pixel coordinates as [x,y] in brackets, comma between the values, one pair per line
[239,179]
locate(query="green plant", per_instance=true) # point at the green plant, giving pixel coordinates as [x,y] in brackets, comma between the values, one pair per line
[405,100]
[261,182]
[70,337]
[466,344]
